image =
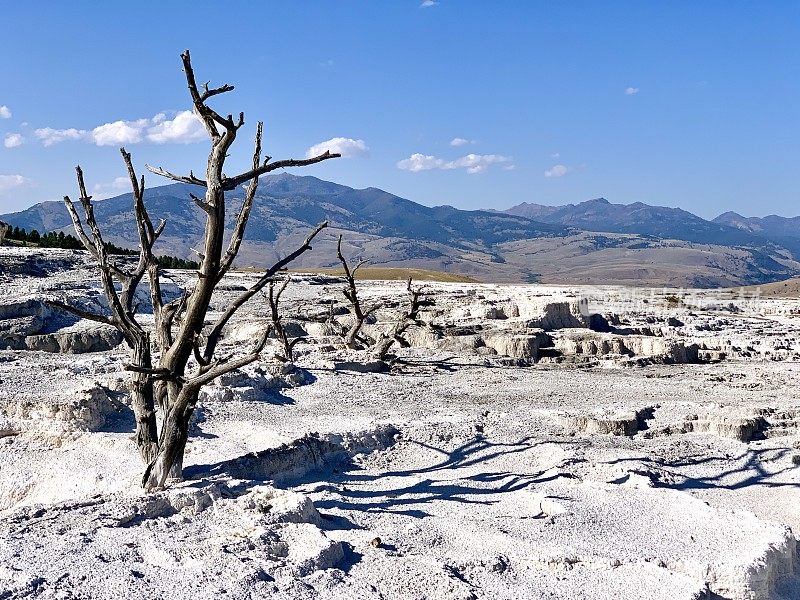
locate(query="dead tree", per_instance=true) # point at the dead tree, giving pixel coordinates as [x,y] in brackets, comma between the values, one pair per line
[417,301]
[122,303]
[353,338]
[187,355]
[179,392]
[273,297]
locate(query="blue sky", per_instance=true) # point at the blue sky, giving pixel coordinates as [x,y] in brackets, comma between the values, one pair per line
[689,104]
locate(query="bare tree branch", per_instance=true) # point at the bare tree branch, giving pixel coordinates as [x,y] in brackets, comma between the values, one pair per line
[230,365]
[123,306]
[216,331]
[208,93]
[353,335]
[190,178]
[207,115]
[274,298]
[81,233]
[147,238]
[202,204]
[161,374]
[198,355]
[244,214]
[83,314]
[122,313]
[231,183]
[168,313]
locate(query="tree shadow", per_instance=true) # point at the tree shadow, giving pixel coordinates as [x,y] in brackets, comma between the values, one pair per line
[349,487]
[351,558]
[347,492]
[407,366]
[344,478]
[122,420]
[748,470]
[453,364]
[308,376]
[273,396]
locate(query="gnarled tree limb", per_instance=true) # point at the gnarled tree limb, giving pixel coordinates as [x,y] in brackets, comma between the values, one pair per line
[244,214]
[122,304]
[221,368]
[190,178]
[273,298]
[353,336]
[83,314]
[231,183]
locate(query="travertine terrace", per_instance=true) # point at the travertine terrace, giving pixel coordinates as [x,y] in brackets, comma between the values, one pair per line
[535,442]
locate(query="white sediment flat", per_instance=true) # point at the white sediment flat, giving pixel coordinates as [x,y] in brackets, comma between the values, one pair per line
[552,468]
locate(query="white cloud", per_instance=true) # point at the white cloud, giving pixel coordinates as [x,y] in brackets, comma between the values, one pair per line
[428,3]
[12,140]
[5,112]
[460,142]
[556,171]
[50,136]
[509,167]
[421,162]
[185,128]
[119,183]
[105,190]
[473,163]
[8,182]
[631,91]
[555,155]
[347,147]
[478,163]
[119,132]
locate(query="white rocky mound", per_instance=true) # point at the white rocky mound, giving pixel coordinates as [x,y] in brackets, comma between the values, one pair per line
[531,442]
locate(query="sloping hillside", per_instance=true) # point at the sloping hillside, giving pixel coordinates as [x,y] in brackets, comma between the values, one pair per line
[647,245]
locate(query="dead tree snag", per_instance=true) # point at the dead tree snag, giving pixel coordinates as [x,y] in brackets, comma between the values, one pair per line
[352,337]
[417,301]
[187,351]
[273,297]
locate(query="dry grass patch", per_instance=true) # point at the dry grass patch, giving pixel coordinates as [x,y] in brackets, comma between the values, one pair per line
[396,274]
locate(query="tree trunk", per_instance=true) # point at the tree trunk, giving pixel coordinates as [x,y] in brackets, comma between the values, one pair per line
[381,349]
[142,401]
[174,434]
[351,338]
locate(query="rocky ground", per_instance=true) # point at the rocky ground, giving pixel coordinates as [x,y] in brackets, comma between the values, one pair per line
[533,442]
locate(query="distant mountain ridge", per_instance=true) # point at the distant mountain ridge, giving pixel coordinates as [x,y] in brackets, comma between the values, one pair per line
[644,219]
[771,225]
[307,200]
[591,242]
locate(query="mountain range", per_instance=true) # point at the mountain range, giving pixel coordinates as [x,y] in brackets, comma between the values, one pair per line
[591,242]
